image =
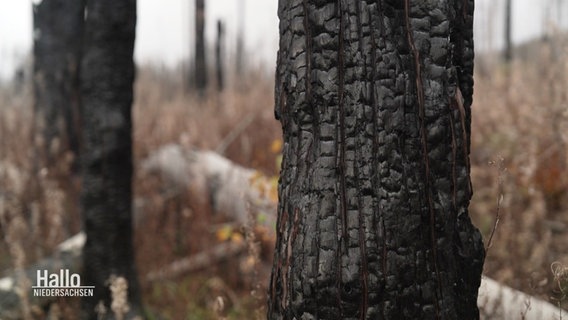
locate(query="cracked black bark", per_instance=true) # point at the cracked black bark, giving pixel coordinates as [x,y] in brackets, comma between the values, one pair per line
[374,100]
[107,76]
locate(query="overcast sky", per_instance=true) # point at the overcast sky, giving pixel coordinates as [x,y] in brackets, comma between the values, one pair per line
[164,27]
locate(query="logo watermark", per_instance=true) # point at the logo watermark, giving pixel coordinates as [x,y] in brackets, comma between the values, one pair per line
[62,284]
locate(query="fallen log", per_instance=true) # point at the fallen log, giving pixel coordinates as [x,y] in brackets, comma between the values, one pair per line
[235,191]
[239,193]
[497,301]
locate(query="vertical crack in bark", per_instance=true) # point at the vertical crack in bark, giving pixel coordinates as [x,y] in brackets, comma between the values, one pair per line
[277,273]
[362,239]
[458,102]
[424,138]
[284,277]
[342,140]
[309,49]
[317,263]
[340,93]
[363,248]
[454,157]
[377,220]
[287,277]
[462,38]
[380,228]
[315,125]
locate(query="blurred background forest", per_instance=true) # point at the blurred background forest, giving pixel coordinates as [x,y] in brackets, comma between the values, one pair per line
[519,154]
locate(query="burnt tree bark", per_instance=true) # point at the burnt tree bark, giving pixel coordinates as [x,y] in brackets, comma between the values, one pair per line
[200,62]
[107,78]
[508,51]
[58,34]
[374,100]
[219,56]
[240,63]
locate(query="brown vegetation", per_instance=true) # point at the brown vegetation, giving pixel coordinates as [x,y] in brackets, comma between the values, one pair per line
[520,165]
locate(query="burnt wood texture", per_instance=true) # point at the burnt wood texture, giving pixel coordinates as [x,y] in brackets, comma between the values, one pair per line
[58,33]
[200,58]
[107,77]
[374,100]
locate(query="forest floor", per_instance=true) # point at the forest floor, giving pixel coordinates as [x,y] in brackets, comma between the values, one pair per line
[519,171]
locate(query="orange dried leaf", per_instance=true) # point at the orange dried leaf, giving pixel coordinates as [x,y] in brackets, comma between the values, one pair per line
[224,233]
[276,146]
[237,238]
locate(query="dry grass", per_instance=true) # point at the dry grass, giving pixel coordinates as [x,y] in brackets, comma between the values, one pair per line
[237,122]
[39,204]
[519,162]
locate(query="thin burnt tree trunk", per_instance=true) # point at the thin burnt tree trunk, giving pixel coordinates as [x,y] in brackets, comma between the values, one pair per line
[508,51]
[374,100]
[58,34]
[107,79]
[219,56]
[239,54]
[200,62]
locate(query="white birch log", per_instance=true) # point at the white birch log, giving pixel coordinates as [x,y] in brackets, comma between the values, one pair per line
[497,301]
[237,192]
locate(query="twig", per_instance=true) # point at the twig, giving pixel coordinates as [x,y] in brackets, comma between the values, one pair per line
[501,170]
[198,261]
[234,133]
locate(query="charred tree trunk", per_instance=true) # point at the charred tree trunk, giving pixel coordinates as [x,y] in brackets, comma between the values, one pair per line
[374,100]
[107,79]
[200,62]
[219,56]
[239,55]
[58,34]
[508,51]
